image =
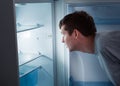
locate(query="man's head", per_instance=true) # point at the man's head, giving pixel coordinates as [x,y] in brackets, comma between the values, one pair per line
[75,25]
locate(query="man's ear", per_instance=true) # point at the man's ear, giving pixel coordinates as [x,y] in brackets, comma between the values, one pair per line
[76,33]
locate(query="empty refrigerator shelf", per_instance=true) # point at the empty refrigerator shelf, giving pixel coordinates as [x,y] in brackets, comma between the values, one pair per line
[26,58]
[41,61]
[22,28]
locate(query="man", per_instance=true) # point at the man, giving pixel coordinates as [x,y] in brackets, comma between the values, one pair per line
[79,34]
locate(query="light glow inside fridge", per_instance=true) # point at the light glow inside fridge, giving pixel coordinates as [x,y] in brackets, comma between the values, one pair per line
[35,43]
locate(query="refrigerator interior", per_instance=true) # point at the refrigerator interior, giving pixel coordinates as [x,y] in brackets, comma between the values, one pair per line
[35,43]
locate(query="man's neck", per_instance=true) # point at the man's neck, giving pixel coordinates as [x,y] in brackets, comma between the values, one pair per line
[88,45]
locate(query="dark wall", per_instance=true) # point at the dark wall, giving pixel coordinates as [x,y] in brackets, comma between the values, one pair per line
[8,49]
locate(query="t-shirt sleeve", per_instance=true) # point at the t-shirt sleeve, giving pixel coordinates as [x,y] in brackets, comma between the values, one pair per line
[110,51]
[110,45]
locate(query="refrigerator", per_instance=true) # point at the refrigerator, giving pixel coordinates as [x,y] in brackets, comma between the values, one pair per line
[31,50]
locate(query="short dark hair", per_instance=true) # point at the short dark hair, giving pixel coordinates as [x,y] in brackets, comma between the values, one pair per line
[79,20]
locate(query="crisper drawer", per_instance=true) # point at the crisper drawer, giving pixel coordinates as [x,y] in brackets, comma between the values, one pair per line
[37,72]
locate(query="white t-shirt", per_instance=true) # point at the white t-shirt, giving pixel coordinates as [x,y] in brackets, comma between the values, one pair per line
[85,70]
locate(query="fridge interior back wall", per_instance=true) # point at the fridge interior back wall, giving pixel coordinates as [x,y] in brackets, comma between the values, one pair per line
[35,43]
[105,14]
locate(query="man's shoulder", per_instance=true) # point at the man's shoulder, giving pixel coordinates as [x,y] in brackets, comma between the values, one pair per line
[109,43]
[109,38]
[107,34]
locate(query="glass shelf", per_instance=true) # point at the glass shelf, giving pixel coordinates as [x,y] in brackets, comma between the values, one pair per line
[22,28]
[38,62]
[26,57]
